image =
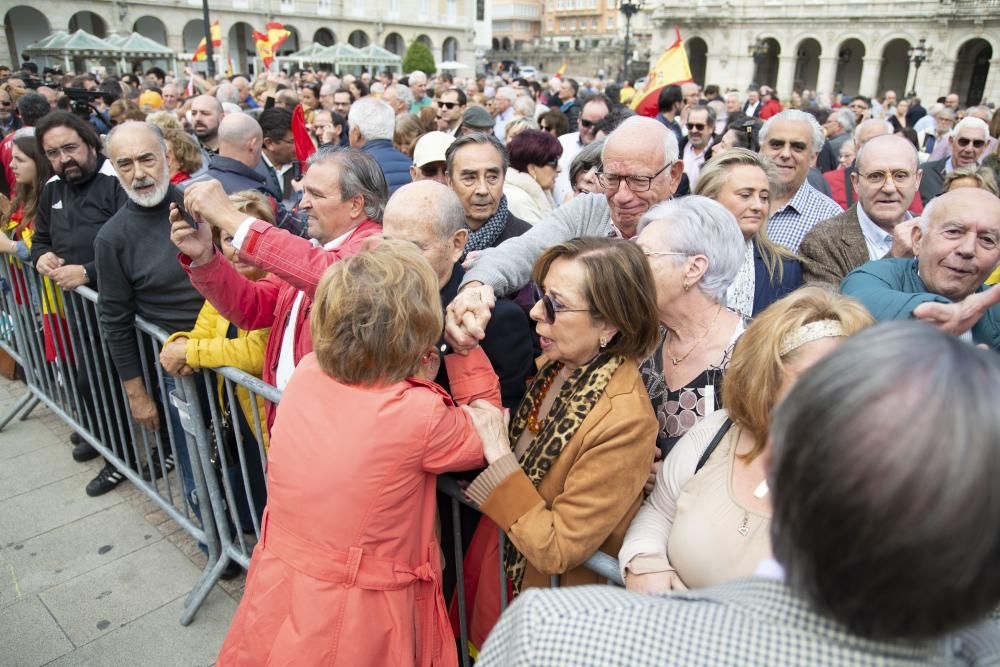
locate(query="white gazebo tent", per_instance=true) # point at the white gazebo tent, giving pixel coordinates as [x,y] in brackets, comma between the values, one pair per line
[138,47]
[377,58]
[65,47]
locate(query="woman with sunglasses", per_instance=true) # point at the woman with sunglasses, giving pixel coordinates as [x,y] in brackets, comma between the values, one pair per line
[572,465]
[534,166]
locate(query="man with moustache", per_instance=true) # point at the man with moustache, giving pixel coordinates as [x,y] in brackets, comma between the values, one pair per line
[74,205]
[139,276]
[206,114]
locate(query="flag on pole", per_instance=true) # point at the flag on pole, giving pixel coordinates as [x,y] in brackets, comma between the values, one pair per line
[268,43]
[229,67]
[561,71]
[671,68]
[201,53]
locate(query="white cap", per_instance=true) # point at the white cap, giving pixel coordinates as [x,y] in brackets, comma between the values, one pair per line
[431,148]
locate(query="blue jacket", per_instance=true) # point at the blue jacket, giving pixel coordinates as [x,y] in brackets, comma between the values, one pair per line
[891,289]
[236,176]
[395,165]
[766,291]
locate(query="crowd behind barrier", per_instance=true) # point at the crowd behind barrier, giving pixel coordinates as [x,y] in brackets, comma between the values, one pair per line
[64,360]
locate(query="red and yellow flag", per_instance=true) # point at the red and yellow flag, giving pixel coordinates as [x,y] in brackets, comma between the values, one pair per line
[671,68]
[201,53]
[268,43]
[561,71]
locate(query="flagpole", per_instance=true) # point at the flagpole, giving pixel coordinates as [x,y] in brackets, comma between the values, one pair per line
[210,59]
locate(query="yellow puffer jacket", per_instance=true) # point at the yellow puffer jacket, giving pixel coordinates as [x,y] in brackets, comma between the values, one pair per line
[208,347]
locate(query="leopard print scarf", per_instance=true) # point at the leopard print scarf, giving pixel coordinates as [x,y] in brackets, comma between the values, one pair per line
[578,395]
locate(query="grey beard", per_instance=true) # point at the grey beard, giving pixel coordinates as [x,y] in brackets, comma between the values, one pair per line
[152,199]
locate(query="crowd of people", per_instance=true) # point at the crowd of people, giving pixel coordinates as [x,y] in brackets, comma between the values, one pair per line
[662,338]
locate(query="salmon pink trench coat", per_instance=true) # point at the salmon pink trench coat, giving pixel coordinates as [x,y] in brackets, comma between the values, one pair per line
[347,569]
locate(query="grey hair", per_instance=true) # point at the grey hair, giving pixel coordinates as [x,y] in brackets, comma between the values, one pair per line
[136,123]
[670,148]
[476,138]
[924,221]
[712,115]
[525,106]
[360,174]
[588,158]
[228,92]
[507,93]
[883,477]
[846,119]
[733,93]
[329,87]
[868,123]
[696,225]
[417,75]
[973,122]
[795,116]
[404,94]
[374,118]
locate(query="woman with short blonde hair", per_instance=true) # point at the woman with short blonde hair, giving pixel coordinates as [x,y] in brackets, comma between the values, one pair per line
[184,155]
[743,181]
[708,517]
[347,569]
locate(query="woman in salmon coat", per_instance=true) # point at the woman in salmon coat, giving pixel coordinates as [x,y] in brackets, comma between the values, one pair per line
[347,570]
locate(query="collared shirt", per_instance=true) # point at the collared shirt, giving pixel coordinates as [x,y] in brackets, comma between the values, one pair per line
[693,162]
[790,224]
[500,126]
[286,355]
[878,240]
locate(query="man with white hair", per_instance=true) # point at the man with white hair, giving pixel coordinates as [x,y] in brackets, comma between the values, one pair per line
[372,123]
[838,127]
[792,139]
[968,143]
[398,97]
[504,107]
[418,86]
[330,85]
[639,169]
[246,100]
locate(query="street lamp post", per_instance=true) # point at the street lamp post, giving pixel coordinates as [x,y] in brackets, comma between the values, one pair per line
[629,8]
[758,51]
[918,56]
[209,53]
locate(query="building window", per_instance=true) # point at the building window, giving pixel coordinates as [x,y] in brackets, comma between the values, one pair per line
[611,23]
[323,7]
[480,10]
[551,23]
[287,6]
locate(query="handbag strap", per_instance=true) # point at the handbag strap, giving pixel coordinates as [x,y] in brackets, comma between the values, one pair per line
[719,435]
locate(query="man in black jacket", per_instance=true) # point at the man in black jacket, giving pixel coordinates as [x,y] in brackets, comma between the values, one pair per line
[73,207]
[140,276]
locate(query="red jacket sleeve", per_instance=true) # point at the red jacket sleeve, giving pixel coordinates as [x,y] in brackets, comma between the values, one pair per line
[472,378]
[246,303]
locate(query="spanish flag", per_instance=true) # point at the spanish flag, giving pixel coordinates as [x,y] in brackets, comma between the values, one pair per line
[268,43]
[201,53]
[671,68]
[562,71]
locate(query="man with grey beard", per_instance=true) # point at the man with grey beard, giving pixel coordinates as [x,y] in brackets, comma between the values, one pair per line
[138,274]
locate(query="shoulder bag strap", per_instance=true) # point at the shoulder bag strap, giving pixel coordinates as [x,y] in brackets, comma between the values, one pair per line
[719,435]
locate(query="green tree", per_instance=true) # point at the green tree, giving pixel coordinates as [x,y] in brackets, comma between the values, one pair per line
[418,56]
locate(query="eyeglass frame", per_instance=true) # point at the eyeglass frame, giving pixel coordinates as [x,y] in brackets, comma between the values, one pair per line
[602,179]
[965,141]
[886,176]
[549,306]
[65,149]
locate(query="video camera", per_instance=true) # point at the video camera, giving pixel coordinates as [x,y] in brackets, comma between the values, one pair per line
[81,100]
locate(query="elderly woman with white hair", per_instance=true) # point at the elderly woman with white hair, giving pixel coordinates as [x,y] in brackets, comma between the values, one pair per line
[695,249]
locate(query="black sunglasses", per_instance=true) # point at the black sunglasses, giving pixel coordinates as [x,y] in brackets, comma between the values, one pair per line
[696,126]
[587,123]
[965,141]
[448,105]
[550,307]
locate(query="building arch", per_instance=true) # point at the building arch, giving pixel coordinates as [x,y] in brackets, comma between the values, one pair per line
[89,21]
[766,62]
[358,39]
[697,52]
[895,72]
[324,37]
[191,36]
[449,49]
[972,68]
[292,44]
[426,41]
[850,60]
[240,47]
[394,42]
[24,26]
[152,27]
[807,55]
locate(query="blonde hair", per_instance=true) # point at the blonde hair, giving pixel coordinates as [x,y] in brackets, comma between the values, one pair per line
[715,174]
[518,125]
[983,176]
[165,120]
[376,314]
[185,149]
[253,203]
[755,374]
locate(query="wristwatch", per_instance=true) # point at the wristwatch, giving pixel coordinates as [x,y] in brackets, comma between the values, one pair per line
[86,276]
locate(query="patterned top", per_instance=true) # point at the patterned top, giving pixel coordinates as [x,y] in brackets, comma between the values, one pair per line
[752,621]
[677,411]
[790,223]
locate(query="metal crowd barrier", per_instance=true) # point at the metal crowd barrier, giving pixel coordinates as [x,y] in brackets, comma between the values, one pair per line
[228,442]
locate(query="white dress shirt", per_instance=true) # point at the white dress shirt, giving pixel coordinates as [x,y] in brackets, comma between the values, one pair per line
[878,240]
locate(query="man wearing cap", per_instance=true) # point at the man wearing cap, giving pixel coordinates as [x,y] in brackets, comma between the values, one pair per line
[429,160]
[475,119]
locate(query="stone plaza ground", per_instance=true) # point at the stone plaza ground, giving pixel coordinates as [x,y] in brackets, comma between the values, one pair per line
[92,581]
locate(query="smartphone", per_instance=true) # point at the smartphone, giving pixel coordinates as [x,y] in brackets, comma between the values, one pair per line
[177,197]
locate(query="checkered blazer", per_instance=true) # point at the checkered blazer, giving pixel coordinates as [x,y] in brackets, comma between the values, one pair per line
[743,623]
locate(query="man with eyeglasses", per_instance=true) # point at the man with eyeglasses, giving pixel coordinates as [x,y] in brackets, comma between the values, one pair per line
[861,106]
[968,141]
[792,139]
[886,178]
[639,169]
[74,205]
[451,106]
[594,111]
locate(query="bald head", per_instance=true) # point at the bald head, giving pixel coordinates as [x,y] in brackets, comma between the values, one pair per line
[892,147]
[870,129]
[430,215]
[240,138]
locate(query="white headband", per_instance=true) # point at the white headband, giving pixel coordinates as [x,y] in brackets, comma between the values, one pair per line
[808,333]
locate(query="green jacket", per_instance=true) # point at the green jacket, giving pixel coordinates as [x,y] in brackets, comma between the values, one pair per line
[891,289]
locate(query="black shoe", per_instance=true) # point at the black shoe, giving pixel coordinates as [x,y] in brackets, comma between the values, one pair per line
[83,451]
[168,463]
[75,438]
[107,479]
[231,571]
